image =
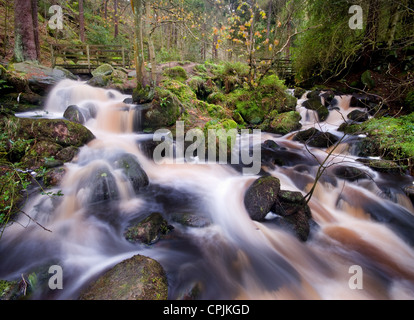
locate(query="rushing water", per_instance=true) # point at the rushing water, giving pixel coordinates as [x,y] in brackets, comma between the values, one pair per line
[367,223]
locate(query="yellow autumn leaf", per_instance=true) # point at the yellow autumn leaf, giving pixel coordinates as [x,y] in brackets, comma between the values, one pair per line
[276,42]
[270,47]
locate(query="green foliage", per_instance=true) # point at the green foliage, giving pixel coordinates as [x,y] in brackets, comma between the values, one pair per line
[394,137]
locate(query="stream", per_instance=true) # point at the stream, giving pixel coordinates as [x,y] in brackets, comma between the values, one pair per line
[365,225]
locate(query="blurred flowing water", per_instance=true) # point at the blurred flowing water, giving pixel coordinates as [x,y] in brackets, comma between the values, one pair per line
[367,223]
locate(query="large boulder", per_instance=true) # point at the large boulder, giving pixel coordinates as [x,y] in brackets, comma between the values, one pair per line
[137,278]
[40,78]
[163,112]
[261,196]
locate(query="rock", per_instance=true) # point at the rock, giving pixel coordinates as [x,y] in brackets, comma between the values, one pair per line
[163,112]
[11,290]
[67,154]
[130,166]
[40,78]
[103,70]
[261,196]
[149,230]
[358,116]
[62,132]
[191,219]
[313,94]
[409,191]
[381,165]
[75,114]
[285,123]
[289,203]
[367,80]
[315,138]
[294,212]
[316,104]
[100,185]
[99,81]
[137,278]
[299,92]
[42,153]
[350,173]
[54,177]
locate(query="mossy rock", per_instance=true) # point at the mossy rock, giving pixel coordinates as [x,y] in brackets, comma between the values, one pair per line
[62,132]
[100,186]
[137,278]
[225,136]
[10,290]
[163,112]
[284,123]
[103,70]
[149,230]
[315,138]
[367,80]
[261,196]
[299,92]
[42,153]
[191,219]
[358,116]
[316,104]
[291,205]
[132,169]
[382,165]
[177,73]
[142,95]
[180,90]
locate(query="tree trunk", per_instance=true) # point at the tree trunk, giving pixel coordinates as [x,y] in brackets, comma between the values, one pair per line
[269,18]
[25,45]
[151,51]
[116,31]
[371,32]
[392,27]
[81,22]
[139,58]
[36,26]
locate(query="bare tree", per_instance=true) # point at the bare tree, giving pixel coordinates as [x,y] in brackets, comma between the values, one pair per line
[81,21]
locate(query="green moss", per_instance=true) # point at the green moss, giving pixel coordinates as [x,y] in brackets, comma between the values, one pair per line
[180,90]
[282,123]
[176,73]
[392,137]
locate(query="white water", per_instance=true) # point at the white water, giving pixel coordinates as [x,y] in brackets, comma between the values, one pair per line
[234,257]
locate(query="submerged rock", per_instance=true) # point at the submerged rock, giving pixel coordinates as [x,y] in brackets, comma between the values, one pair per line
[191,219]
[149,230]
[137,278]
[261,196]
[350,173]
[130,166]
[358,116]
[101,186]
[316,104]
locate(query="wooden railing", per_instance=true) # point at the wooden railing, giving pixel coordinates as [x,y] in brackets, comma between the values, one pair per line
[85,58]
